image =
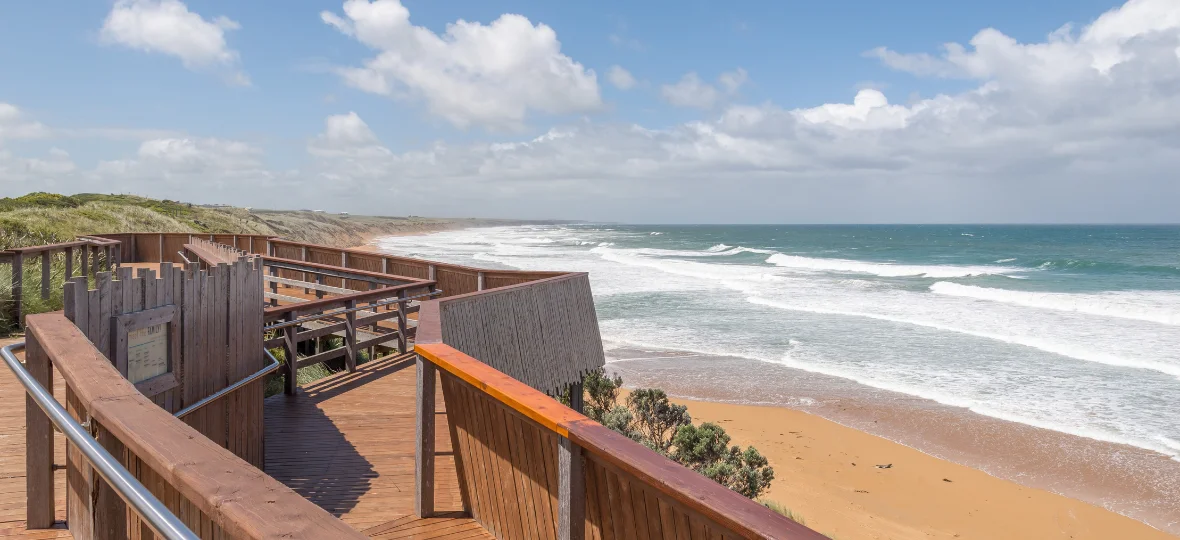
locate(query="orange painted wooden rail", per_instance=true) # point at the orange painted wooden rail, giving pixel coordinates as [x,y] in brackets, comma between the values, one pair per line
[530,467]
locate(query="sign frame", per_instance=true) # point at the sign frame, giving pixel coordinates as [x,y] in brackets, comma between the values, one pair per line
[123,324]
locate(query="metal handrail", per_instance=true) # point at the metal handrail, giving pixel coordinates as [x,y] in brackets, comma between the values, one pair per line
[345,311]
[153,512]
[270,368]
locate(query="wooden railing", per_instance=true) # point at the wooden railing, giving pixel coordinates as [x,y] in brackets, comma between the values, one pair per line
[452,279]
[211,253]
[215,493]
[84,256]
[530,467]
[303,321]
[164,247]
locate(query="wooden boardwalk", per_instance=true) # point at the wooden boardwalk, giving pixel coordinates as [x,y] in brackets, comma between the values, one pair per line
[346,443]
[12,459]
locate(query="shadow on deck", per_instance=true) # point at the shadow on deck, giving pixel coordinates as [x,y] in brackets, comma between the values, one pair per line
[346,443]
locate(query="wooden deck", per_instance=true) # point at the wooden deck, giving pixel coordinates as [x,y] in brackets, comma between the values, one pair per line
[347,444]
[12,460]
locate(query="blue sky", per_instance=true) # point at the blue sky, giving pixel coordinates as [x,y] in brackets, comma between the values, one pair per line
[152,96]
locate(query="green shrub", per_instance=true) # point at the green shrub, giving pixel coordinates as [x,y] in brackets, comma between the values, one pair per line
[652,420]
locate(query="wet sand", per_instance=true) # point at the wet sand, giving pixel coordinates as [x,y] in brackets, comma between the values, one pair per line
[953,473]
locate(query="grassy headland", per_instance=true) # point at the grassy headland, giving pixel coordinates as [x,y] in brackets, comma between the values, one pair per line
[48,218]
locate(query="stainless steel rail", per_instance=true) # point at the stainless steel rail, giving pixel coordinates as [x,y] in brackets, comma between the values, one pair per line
[153,512]
[270,368]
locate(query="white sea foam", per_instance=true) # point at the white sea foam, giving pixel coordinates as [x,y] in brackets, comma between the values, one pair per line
[1151,306]
[884,269]
[1085,368]
[1056,347]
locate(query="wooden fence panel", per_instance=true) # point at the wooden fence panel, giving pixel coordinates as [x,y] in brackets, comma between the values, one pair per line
[218,314]
[544,334]
[173,244]
[455,281]
[147,247]
[508,464]
[368,263]
[407,267]
[332,257]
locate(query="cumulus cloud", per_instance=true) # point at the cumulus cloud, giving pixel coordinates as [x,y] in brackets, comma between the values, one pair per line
[621,78]
[472,74]
[168,27]
[1095,138]
[14,125]
[691,91]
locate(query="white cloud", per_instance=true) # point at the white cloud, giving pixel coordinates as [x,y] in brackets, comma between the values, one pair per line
[691,91]
[168,27]
[473,74]
[346,136]
[13,124]
[621,78]
[1084,141]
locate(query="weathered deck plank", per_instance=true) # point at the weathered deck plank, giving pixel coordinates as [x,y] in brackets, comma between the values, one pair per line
[12,460]
[347,444]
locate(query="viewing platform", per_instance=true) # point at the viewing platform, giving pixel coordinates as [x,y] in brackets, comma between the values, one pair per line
[439,421]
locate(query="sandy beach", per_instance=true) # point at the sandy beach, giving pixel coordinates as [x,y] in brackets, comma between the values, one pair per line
[827,472]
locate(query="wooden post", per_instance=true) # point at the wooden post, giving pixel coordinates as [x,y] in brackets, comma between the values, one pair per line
[303,257]
[401,322]
[430,272]
[479,281]
[18,278]
[108,251]
[94,260]
[110,512]
[576,396]
[319,279]
[424,441]
[46,263]
[571,491]
[292,355]
[274,286]
[38,443]
[190,239]
[350,336]
[69,263]
[83,252]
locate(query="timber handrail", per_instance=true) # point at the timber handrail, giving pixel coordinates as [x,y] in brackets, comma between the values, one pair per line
[310,267]
[241,499]
[312,306]
[157,516]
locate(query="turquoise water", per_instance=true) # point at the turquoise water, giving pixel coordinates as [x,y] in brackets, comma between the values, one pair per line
[1070,328]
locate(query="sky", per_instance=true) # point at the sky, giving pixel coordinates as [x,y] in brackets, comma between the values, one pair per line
[694,111]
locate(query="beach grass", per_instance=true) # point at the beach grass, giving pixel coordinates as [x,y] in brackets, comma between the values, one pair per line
[783,510]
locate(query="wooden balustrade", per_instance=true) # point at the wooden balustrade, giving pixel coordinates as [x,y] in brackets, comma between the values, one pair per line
[531,467]
[302,321]
[84,256]
[214,492]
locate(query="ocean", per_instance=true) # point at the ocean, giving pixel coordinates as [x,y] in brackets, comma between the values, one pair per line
[1073,329]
